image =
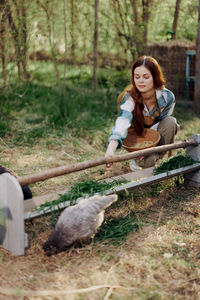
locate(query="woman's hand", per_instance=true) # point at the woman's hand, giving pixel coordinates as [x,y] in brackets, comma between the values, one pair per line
[109,166]
[110,153]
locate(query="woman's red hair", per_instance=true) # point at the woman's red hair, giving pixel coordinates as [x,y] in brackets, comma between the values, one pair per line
[152,65]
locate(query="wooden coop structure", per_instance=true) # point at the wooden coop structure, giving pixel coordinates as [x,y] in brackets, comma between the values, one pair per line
[177,59]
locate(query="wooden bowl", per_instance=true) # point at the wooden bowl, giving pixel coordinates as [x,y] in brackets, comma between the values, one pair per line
[150,138]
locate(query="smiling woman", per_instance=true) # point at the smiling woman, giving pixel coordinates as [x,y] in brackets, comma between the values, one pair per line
[143,80]
[145,103]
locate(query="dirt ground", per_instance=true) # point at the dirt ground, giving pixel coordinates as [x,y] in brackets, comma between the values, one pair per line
[159,261]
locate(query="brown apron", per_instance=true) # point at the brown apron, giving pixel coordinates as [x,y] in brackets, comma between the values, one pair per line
[150,121]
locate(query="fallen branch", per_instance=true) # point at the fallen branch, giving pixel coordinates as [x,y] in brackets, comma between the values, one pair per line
[44,175]
[44,293]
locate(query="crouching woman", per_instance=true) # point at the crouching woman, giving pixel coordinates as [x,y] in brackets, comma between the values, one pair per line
[145,103]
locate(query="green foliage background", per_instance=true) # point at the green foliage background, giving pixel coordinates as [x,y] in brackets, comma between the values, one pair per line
[80,26]
[48,106]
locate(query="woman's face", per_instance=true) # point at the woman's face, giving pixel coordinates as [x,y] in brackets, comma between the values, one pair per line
[143,79]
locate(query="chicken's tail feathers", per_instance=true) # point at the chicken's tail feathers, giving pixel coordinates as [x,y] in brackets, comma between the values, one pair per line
[99,202]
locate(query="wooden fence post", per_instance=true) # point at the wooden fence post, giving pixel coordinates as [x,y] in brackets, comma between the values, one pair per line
[193,178]
[12,235]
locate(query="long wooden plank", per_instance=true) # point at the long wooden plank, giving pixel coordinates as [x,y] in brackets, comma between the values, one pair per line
[29,179]
[153,179]
[127,187]
[37,213]
[132,176]
[30,204]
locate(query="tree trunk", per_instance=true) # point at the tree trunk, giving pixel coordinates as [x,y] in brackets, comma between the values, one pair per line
[24,46]
[126,35]
[138,42]
[146,4]
[51,40]
[118,27]
[72,29]
[176,16]
[15,35]
[95,50]
[197,70]
[65,38]
[3,41]
[18,28]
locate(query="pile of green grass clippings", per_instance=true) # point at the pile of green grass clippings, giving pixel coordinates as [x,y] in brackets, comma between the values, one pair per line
[175,162]
[81,189]
[115,230]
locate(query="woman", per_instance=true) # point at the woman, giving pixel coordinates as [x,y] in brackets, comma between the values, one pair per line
[146,103]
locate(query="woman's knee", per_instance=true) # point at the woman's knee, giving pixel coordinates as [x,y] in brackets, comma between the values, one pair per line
[168,128]
[169,123]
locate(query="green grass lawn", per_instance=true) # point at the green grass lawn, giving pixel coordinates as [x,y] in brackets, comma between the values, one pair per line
[30,111]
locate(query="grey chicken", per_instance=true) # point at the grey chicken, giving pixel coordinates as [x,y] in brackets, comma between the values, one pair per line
[78,223]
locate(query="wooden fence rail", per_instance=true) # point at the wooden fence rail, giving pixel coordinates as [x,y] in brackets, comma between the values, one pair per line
[33,178]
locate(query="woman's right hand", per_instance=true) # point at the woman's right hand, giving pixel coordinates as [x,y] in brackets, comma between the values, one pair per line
[109,166]
[110,153]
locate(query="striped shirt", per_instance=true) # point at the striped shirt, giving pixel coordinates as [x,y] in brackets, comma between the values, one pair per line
[165,104]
